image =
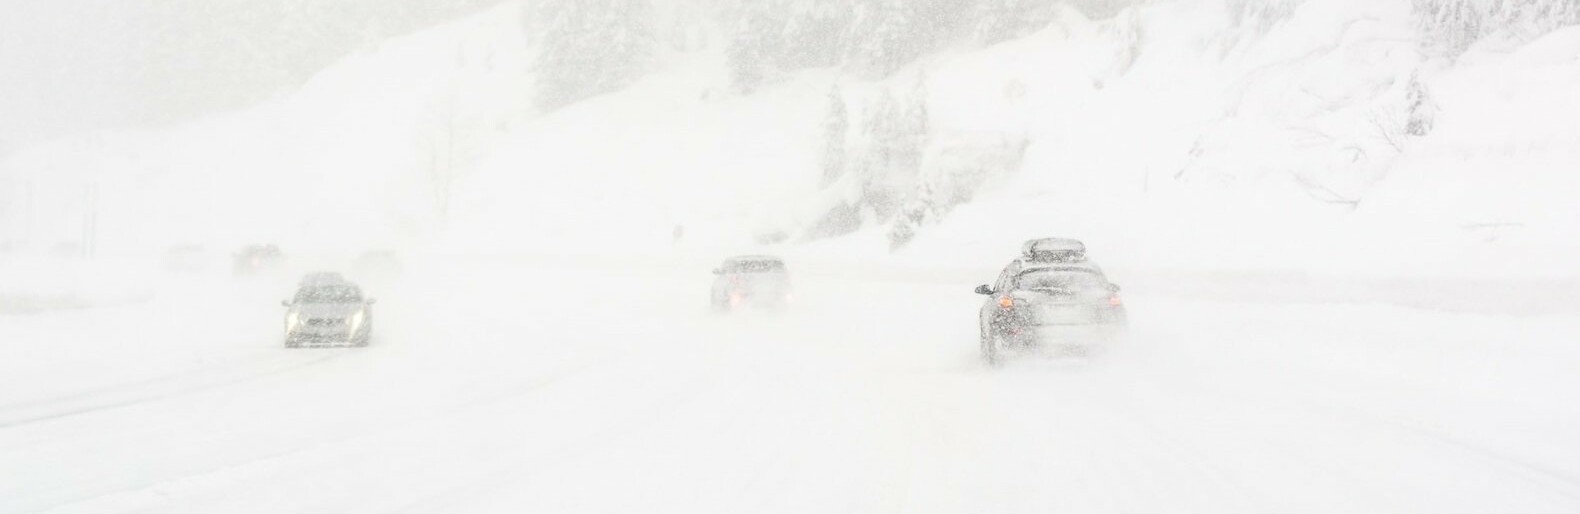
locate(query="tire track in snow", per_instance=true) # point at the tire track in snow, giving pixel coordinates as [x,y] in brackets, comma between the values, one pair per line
[144,391]
[150,488]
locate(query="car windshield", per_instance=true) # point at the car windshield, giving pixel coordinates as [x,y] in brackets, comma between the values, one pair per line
[337,293]
[762,266]
[1061,280]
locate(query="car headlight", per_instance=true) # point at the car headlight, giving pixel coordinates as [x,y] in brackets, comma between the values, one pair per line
[356,320]
[293,319]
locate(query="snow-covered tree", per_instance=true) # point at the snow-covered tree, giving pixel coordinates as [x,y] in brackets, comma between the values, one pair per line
[894,133]
[836,125]
[1003,20]
[1421,113]
[1448,27]
[815,32]
[746,58]
[889,34]
[590,47]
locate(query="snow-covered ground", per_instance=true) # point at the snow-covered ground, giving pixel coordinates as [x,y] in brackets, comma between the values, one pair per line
[1327,315]
[533,387]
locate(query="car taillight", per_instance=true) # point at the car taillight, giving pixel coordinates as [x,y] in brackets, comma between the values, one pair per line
[1006,302]
[1115,301]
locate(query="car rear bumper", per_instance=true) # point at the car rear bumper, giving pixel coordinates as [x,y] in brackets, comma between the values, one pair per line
[1063,336]
[326,339]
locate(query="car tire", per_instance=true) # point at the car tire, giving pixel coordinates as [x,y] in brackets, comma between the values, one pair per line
[991,350]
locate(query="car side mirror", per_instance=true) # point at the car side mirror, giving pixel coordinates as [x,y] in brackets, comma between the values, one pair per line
[1113,288]
[372,301]
[285,303]
[717,271]
[984,290]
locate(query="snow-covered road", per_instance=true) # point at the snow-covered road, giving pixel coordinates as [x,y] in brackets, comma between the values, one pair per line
[577,390]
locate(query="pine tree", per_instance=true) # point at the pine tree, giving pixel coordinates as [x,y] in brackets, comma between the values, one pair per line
[746,59]
[814,33]
[591,47]
[1422,112]
[885,35]
[836,124]
[1449,26]
[1003,20]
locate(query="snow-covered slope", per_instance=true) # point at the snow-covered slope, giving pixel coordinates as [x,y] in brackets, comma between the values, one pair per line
[554,351]
[1176,134]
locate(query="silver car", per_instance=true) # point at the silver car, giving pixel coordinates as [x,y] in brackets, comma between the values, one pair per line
[751,281]
[328,313]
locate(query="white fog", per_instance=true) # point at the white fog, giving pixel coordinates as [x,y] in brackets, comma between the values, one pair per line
[724,256]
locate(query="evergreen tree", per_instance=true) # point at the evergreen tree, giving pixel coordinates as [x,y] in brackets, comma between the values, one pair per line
[1003,20]
[591,47]
[1422,112]
[1449,27]
[815,32]
[836,124]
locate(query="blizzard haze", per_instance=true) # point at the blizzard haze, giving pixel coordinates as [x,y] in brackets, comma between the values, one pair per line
[719,256]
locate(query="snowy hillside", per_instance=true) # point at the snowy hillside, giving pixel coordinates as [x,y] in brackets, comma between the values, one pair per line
[1344,231]
[1286,135]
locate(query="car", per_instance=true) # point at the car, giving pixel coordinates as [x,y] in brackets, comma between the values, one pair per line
[258,259]
[760,281]
[328,312]
[1050,299]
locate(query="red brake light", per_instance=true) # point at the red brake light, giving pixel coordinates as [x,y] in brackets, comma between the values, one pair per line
[1115,301]
[1006,302]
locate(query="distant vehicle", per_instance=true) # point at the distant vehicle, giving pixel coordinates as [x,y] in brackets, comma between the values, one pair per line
[751,281]
[377,265]
[1051,298]
[256,259]
[185,259]
[328,313]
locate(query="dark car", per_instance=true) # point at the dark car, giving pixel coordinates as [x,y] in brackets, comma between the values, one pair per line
[1049,300]
[326,313]
[257,259]
[751,281]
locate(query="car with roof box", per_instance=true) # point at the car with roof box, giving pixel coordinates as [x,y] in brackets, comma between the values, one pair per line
[1050,299]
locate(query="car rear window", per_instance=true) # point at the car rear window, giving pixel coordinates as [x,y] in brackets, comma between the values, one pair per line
[755,267]
[1060,280]
[340,293]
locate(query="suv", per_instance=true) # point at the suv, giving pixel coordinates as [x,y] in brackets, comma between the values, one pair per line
[751,280]
[1050,298]
[328,311]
